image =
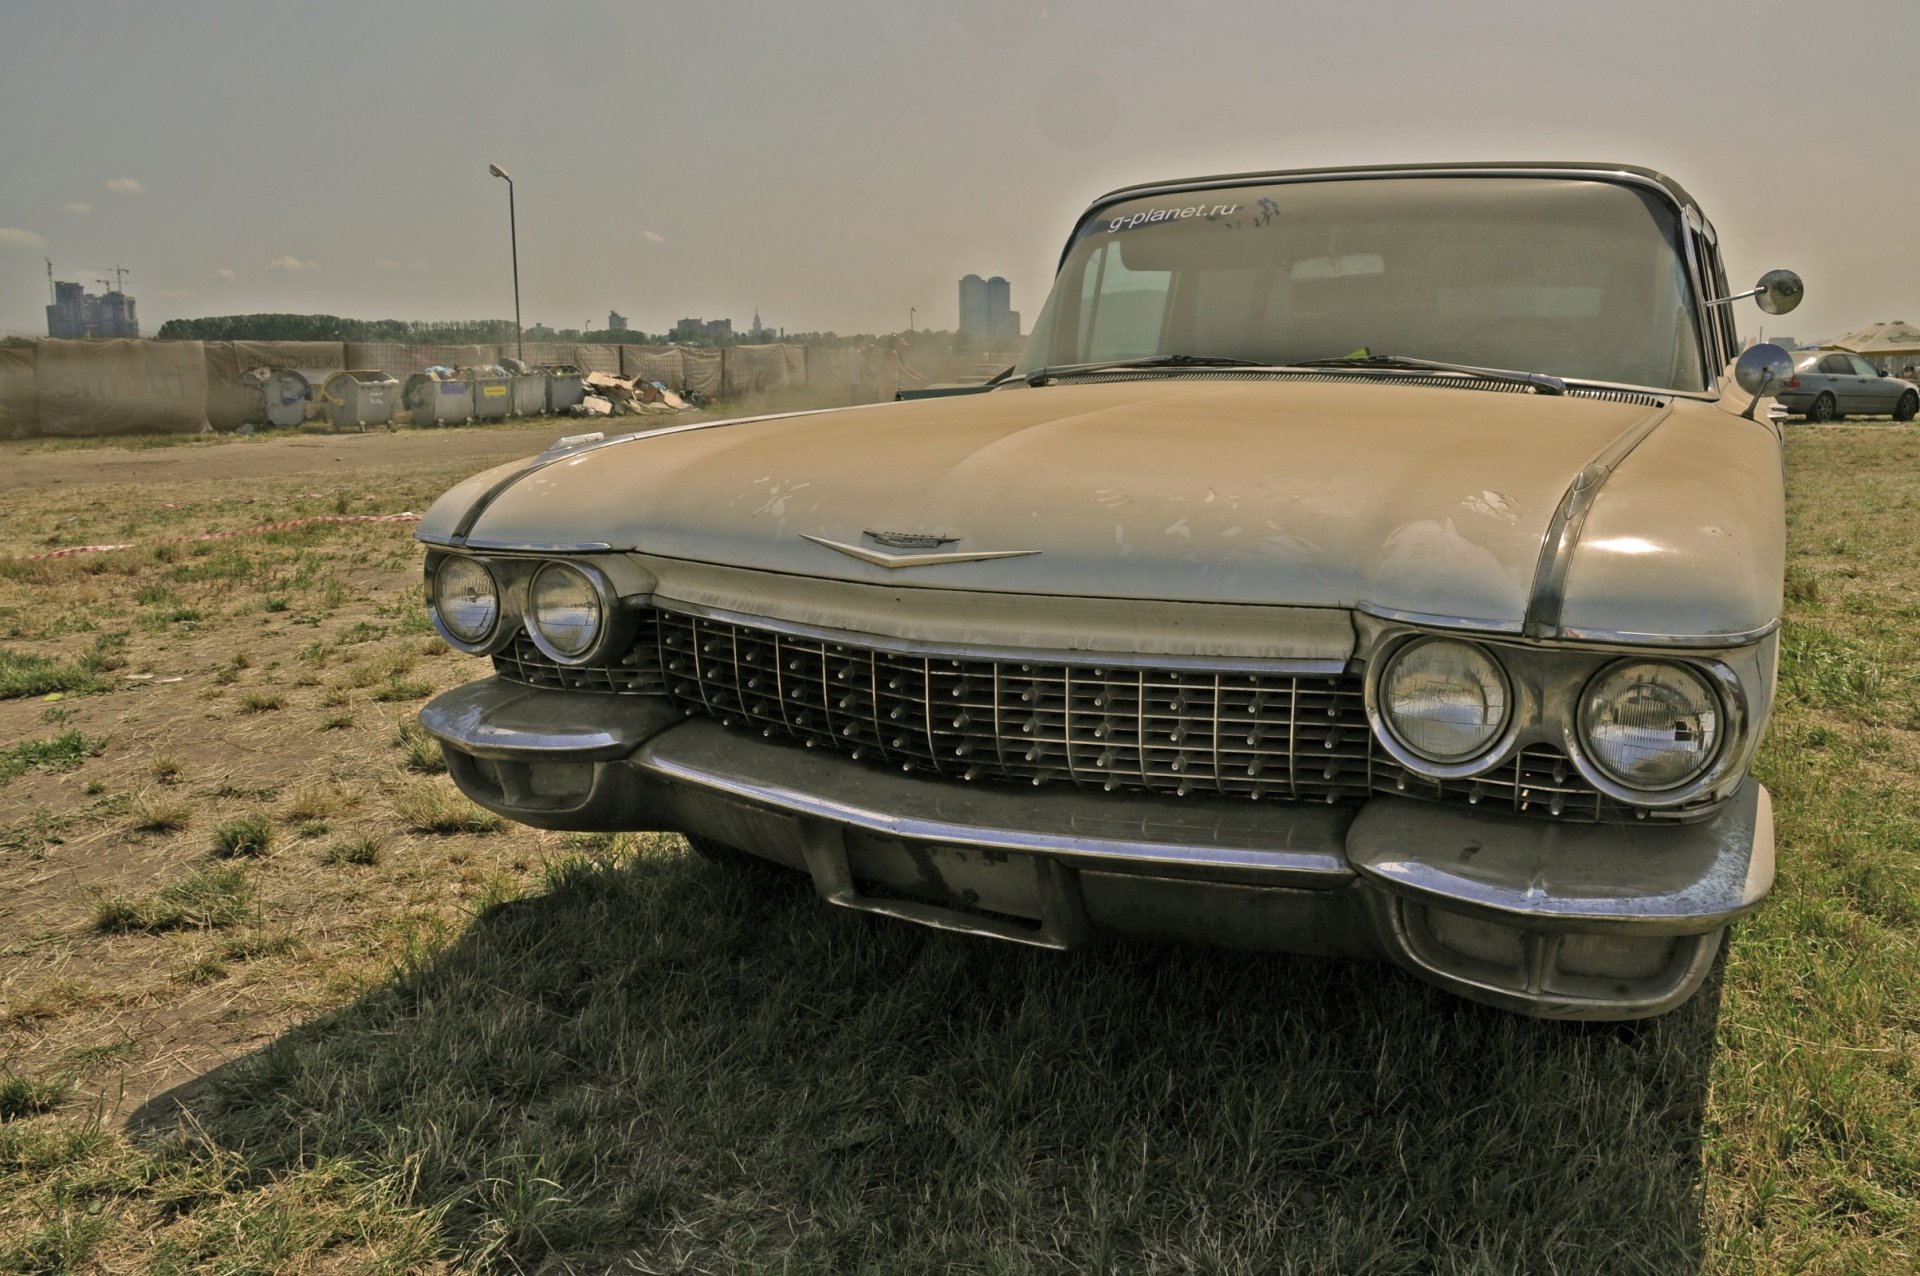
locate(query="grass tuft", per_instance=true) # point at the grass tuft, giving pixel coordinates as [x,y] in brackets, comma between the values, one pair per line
[439,808]
[25,1096]
[24,674]
[208,899]
[421,749]
[311,803]
[160,813]
[363,850]
[248,836]
[65,752]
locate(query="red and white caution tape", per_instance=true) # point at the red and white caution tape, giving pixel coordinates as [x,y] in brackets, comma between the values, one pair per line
[407,516]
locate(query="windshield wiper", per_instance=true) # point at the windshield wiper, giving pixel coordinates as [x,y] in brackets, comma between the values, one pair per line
[1044,375]
[1540,381]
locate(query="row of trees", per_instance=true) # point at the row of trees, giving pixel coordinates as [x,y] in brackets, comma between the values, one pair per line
[281,327]
[273,327]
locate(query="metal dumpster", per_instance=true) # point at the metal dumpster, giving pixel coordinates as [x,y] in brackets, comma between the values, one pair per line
[492,391]
[438,396]
[282,395]
[360,396]
[566,386]
[529,396]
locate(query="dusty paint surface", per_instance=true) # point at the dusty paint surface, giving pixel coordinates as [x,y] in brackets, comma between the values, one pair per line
[1295,493]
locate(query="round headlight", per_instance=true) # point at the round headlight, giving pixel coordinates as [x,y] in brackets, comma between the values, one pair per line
[1650,725]
[466,598]
[565,609]
[1446,701]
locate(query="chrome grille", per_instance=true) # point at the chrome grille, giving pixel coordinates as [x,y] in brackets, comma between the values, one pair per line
[1179,732]
[636,673]
[1170,731]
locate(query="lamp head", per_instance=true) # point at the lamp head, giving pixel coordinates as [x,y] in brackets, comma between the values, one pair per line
[497,171]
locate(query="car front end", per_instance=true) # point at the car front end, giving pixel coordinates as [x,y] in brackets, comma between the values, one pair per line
[1461,670]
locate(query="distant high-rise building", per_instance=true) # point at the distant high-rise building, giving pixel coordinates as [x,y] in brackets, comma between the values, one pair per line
[999,294]
[76,313]
[973,306]
[984,309]
[759,331]
[718,329]
[616,321]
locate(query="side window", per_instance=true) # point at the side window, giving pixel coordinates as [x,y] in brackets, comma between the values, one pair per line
[1861,368]
[1722,315]
[1836,365]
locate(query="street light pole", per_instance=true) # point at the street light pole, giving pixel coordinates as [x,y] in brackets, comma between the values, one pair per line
[910,314]
[513,237]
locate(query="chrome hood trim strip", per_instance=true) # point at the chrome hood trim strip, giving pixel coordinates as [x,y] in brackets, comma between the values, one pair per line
[1549,596]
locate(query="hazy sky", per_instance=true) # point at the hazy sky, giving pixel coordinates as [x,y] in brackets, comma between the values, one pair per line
[837,163]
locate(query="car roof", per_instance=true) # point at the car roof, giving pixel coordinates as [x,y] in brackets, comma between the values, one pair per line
[1543,168]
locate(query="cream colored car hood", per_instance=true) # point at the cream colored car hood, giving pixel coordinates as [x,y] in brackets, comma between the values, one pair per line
[1283,492]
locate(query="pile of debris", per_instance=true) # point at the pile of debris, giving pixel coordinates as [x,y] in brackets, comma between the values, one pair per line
[626,396]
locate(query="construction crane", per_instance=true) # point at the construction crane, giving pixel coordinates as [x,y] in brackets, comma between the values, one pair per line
[119,281]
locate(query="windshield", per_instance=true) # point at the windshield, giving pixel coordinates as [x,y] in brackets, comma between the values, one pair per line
[1578,279]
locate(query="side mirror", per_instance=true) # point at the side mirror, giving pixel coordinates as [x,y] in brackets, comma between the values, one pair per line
[1777,292]
[1762,370]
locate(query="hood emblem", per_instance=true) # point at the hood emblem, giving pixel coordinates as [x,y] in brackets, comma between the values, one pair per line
[914,549]
[911,540]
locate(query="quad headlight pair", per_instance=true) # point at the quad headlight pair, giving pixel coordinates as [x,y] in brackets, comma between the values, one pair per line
[1647,725]
[566,612]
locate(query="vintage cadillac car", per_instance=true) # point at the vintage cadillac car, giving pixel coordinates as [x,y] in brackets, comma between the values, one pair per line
[1374,562]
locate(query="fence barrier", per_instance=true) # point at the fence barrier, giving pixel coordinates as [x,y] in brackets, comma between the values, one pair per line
[79,388]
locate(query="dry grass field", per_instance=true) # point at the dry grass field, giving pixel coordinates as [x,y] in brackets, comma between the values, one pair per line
[273,997]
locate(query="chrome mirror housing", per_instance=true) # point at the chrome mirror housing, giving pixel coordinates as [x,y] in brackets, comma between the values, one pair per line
[1761,370]
[1777,292]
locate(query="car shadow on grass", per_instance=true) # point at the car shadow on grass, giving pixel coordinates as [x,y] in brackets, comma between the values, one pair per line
[692,1067]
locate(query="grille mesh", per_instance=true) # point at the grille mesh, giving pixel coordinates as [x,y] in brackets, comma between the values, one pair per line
[1179,732]
[636,673]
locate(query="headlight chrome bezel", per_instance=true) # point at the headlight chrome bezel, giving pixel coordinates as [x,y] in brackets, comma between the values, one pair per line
[503,619]
[1547,685]
[615,622]
[1731,733]
[1497,749]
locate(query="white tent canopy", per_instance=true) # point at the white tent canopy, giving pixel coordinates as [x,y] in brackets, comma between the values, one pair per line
[1897,337]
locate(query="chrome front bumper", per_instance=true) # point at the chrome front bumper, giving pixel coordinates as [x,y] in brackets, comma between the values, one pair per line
[1587,921]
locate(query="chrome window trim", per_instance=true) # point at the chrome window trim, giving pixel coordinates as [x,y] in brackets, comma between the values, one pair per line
[1689,215]
[991,652]
[1732,745]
